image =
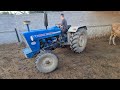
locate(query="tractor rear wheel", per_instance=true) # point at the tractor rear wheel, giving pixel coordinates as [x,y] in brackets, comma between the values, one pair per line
[78,40]
[46,62]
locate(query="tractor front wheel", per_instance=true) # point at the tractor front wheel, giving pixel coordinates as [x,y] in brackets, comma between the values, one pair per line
[46,62]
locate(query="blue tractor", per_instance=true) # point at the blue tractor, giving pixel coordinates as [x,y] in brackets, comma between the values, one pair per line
[40,43]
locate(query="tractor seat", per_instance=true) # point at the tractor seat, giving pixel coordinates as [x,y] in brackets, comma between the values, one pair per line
[69,26]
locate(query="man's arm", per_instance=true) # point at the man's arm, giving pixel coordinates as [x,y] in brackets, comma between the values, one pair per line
[61,24]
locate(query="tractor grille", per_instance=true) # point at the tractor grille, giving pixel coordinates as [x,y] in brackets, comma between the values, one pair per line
[24,41]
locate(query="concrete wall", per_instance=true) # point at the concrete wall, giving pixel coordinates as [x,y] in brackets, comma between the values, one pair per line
[94,20]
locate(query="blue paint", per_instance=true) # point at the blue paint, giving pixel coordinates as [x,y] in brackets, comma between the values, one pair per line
[37,35]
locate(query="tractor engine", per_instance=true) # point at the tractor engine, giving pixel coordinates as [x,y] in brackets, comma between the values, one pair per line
[50,43]
[43,39]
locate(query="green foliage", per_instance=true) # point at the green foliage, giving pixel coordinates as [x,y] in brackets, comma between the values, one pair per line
[41,11]
[36,12]
[5,13]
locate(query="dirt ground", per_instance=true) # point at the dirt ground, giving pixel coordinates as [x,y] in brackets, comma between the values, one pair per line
[98,61]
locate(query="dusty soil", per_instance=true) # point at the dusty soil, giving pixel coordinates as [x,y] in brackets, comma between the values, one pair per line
[99,60]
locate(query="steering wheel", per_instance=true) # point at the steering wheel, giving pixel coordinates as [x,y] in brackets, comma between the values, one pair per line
[58,25]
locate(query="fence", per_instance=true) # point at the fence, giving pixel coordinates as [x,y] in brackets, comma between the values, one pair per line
[98,31]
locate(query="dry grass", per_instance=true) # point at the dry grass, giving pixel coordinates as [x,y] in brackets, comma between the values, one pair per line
[99,60]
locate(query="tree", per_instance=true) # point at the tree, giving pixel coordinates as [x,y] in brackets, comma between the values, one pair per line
[14,12]
[5,13]
[36,12]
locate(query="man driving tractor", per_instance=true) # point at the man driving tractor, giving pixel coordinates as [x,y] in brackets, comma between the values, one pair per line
[63,25]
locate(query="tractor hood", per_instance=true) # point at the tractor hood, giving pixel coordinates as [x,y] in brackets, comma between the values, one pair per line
[41,33]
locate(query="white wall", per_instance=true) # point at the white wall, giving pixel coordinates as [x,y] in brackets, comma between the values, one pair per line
[74,18]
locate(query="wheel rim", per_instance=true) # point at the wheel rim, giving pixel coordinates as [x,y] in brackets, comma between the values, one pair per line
[47,62]
[82,40]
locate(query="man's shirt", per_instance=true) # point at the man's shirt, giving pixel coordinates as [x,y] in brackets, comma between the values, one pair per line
[64,24]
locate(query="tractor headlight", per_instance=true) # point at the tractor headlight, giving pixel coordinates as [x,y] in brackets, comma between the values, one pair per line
[31,37]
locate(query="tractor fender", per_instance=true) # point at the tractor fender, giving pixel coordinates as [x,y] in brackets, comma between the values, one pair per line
[75,28]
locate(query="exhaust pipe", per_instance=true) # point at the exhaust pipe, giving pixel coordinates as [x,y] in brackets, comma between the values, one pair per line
[45,20]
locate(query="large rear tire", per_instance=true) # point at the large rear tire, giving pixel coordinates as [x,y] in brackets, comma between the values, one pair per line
[78,40]
[46,62]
